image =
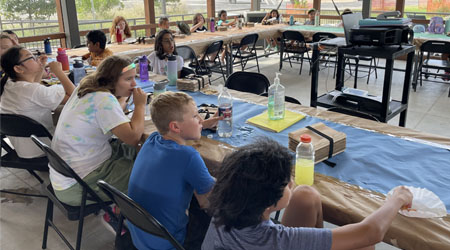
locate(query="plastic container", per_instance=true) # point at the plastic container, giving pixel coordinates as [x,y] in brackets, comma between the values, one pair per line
[143,68]
[159,88]
[280,19]
[63,59]
[317,19]
[78,72]
[172,74]
[225,102]
[291,20]
[304,162]
[147,115]
[118,35]
[240,22]
[212,25]
[275,106]
[47,46]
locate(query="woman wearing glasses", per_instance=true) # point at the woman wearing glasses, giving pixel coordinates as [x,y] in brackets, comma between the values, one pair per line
[164,46]
[21,93]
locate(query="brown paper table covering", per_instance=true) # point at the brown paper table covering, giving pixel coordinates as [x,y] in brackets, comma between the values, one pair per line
[197,41]
[344,203]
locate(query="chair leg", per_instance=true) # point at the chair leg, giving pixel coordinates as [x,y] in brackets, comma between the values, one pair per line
[281,58]
[257,63]
[368,75]
[35,176]
[119,228]
[301,64]
[375,63]
[355,85]
[48,216]
[81,219]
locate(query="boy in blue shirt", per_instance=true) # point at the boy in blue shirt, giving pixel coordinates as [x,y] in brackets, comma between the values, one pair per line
[255,181]
[166,172]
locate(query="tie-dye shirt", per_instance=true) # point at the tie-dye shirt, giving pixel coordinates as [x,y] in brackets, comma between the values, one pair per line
[83,133]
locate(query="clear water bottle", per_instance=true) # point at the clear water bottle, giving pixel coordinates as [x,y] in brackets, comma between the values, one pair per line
[275,106]
[143,68]
[317,19]
[291,20]
[172,73]
[225,102]
[280,19]
[78,72]
[304,162]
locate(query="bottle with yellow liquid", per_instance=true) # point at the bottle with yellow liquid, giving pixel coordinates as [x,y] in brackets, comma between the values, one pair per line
[304,162]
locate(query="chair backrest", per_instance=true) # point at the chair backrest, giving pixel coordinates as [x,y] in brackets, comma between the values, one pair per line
[60,166]
[319,36]
[213,48]
[186,52]
[21,126]
[286,98]
[251,82]
[293,35]
[136,214]
[249,39]
[436,47]
[352,112]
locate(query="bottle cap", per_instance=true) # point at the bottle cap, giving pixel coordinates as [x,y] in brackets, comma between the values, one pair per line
[78,64]
[277,80]
[60,49]
[172,58]
[305,138]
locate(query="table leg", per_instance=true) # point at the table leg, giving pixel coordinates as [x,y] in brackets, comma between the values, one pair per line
[406,85]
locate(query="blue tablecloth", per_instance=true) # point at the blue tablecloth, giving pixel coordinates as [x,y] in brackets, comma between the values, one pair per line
[371,160]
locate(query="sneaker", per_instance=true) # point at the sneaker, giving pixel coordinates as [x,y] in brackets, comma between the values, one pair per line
[112,224]
[268,47]
[275,49]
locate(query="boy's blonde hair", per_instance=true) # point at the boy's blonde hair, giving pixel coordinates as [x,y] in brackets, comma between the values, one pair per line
[168,107]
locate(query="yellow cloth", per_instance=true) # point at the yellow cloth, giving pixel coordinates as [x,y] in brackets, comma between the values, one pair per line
[95,60]
[263,121]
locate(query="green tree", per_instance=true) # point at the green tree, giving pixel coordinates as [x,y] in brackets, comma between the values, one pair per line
[34,9]
[101,7]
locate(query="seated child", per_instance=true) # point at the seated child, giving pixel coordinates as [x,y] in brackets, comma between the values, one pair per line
[198,23]
[21,93]
[311,15]
[123,27]
[164,24]
[96,43]
[167,172]
[223,19]
[5,43]
[12,35]
[345,12]
[88,122]
[272,16]
[164,46]
[255,181]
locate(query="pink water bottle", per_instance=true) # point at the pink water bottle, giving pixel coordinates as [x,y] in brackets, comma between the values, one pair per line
[63,59]
[118,35]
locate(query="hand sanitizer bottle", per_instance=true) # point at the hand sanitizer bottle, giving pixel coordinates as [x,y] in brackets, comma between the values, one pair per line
[276,100]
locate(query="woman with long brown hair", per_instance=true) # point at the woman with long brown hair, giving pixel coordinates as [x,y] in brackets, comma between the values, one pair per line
[122,24]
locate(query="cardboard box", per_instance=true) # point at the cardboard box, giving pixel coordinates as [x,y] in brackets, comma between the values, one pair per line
[193,83]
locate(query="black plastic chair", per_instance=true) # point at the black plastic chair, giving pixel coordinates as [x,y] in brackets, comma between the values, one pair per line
[357,59]
[210,60]
[353,112]
[245,51]
[136,214]
[425,64]
[251,82]
[188,55]
[71,212]
[321,36]
[22,126]
[286,98]
[293,42]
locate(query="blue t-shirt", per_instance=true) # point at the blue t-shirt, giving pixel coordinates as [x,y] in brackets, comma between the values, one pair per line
[164,177]
[267,236]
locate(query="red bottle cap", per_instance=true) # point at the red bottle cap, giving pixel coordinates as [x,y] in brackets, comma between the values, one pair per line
[305,138]
[60,49]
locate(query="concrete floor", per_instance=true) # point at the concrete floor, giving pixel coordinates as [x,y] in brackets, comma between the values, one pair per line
[21,220]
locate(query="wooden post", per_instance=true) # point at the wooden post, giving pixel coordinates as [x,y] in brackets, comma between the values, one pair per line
[149,9]
[60,22]
[316,4]
[211,11]
[400,6]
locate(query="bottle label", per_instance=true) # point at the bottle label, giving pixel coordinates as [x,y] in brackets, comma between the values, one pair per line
[226,112]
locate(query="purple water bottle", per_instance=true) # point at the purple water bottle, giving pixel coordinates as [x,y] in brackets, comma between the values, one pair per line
[212,25]
[143,68]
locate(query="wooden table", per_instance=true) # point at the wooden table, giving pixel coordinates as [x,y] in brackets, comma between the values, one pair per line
[344,203]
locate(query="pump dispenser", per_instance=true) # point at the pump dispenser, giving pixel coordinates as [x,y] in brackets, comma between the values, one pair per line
[276,99]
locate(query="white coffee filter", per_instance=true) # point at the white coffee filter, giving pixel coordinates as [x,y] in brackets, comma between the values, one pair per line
[425,204]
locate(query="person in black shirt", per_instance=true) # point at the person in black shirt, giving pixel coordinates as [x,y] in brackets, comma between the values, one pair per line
[198,23]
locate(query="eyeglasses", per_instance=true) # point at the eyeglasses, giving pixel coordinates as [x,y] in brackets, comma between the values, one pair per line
[168,40]
[26,59]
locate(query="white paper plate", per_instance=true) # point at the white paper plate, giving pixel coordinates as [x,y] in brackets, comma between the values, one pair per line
[425,204]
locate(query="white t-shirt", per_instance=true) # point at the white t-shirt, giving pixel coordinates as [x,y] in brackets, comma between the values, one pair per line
[160,66]
[34,101]
[83,133]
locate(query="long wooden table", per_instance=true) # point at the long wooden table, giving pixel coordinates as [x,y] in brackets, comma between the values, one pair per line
[344,203]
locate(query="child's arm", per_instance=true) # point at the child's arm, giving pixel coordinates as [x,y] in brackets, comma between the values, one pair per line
[86,56]
[266,17]
[56,68]
[198,25]
[373,228]
[131,132]
[43,61]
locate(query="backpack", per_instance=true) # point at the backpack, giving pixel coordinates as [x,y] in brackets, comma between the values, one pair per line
[436,25]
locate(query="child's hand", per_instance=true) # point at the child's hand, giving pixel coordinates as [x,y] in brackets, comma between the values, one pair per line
[55,67]
[212,122]
[404,195]
[139,97]
[42,60]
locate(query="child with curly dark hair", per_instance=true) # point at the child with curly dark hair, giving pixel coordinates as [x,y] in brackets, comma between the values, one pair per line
[255,181]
